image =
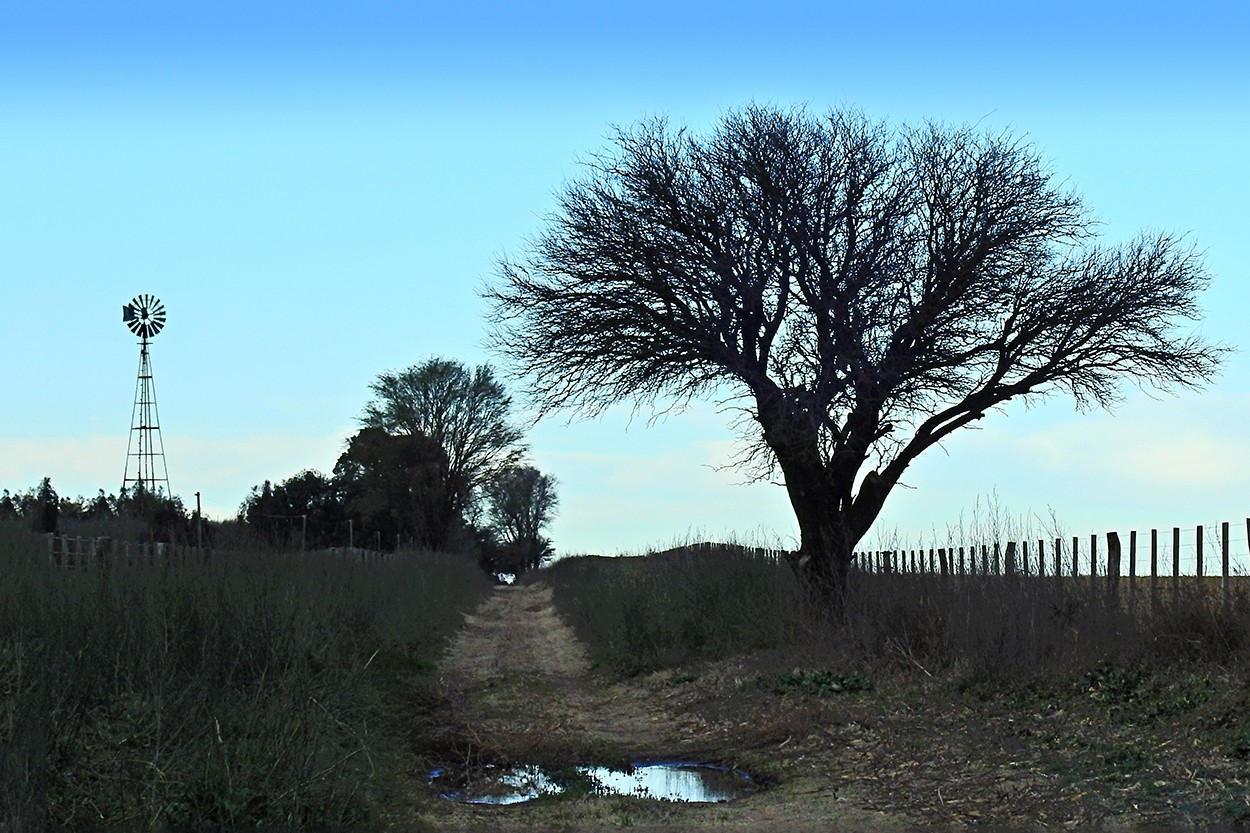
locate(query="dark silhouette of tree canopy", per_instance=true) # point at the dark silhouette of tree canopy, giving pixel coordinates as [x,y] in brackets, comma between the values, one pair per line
[859,291]
[520,502]
[465,413]
[306,509]
[47,508]
[398,485]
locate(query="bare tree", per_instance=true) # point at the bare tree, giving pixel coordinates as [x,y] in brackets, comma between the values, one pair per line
[521,502]
[859,291]
[465,413]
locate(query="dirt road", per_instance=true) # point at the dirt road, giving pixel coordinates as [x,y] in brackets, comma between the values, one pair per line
[912,752]
[522,691]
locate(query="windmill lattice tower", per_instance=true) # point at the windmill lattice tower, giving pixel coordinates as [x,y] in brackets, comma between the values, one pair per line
[145,454]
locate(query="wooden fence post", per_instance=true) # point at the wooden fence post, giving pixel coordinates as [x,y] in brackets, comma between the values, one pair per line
[1024,558]
[1076,568]
[1093,564]
[1224,583]
[1059,564]
[1041,558]
[942,562]
[1198,565]
[961,552]
[1176,565]
[1009,563]
[1113,569]
[1132,572]
[985,559]
[1154,568]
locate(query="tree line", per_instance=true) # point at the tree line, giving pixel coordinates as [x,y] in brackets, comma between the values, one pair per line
[133,514]
[438,464]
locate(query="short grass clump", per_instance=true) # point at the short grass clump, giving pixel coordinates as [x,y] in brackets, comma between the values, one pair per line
[641,614]
[816,683]
[250,690]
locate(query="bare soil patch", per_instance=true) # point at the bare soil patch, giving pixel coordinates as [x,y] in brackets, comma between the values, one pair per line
[911,752]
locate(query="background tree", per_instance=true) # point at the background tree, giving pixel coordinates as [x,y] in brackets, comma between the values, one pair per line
[398,486]
[153,514]
[859,291]
[306,509]
[10,509]
[46,508]
[521,501]
[465,413]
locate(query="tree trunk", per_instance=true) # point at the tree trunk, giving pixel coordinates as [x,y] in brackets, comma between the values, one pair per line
[823,561]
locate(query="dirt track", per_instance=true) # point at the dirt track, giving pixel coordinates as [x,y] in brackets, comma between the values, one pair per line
[913,752]
[521,681]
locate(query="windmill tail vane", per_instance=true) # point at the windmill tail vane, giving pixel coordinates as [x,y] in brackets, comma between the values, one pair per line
[145,456]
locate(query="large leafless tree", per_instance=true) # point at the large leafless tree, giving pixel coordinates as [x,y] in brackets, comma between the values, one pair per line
[861,291]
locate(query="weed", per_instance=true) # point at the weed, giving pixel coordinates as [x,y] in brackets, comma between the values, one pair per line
[1124,762]
[814,682]
[1136,695]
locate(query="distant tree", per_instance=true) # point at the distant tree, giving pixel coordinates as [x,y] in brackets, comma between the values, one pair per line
[465,413]
[860,292]
[163,517]
[521,501]
[9,508]
[304,510]
[101,506]
[46,509]
[398,486]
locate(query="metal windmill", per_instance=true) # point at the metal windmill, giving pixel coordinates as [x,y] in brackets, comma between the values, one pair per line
[145,455]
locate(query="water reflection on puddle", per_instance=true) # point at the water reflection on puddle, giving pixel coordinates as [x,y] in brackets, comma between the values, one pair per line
[673,781]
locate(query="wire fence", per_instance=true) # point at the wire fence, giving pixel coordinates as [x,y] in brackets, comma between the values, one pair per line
[73,552]
[1203,553]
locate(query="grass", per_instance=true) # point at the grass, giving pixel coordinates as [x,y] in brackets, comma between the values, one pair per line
[666,610]
[642,614]
[255,690]
[1116,712]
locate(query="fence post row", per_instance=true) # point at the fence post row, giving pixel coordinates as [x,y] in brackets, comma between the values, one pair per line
[1011,560]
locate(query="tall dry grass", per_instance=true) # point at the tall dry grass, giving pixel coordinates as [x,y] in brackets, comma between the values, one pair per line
[644,613]
[255,690]
[640,614]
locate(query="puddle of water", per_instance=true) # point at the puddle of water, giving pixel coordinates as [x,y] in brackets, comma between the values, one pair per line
[673,781]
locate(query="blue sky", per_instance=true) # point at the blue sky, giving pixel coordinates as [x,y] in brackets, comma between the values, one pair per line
[317,191]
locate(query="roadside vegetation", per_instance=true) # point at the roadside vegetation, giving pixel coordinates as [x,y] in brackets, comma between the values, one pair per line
[705,602]
[643,614]
[1093,709]
[257,689]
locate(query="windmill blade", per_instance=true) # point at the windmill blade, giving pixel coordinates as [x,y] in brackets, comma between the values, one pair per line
[145,315]
[156,320]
